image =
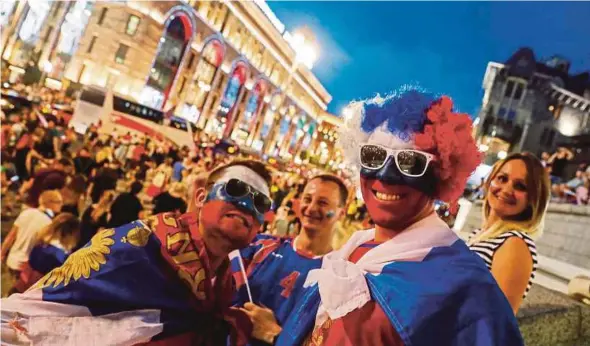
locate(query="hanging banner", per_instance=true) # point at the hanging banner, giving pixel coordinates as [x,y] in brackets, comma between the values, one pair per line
[232,90]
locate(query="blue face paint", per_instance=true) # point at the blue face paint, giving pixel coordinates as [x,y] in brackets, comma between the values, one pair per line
[390,174]
[330,214]
[245,203]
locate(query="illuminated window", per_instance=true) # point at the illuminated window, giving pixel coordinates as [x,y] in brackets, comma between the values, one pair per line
[91,45]
[121,53]
[103,14]
[132,25]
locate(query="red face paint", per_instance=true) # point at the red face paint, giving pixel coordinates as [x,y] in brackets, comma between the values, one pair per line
[227,228]
[392,206]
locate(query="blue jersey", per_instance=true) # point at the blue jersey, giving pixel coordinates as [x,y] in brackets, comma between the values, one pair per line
[276,273]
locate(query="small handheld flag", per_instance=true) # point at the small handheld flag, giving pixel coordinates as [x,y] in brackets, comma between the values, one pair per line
[234,257]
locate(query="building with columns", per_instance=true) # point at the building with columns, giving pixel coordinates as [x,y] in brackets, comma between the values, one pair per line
[229,67]
[532,105]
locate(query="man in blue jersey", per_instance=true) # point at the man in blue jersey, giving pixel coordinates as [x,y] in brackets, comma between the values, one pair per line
[277,267]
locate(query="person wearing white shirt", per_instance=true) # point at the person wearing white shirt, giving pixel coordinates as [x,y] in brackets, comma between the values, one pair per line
[21,239]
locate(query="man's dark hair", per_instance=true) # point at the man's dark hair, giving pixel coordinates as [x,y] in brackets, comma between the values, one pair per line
[65,162]
[136,187]
[342,189]
[257,166]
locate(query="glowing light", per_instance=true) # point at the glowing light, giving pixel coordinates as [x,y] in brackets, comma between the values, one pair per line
[305,52]
[151,97]
[190,113]
[204,86]
[570,122]
[551,108]
[502,154]
[347,112]
[6,7]
[483,147]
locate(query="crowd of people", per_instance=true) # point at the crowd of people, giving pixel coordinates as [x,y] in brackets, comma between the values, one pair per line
[144,242]
[104,182]
[567,188]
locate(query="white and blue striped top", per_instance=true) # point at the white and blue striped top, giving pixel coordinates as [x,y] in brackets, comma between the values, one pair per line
[487,248]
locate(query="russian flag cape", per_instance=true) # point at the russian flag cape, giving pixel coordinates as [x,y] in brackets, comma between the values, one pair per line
[146,282]
[432,288]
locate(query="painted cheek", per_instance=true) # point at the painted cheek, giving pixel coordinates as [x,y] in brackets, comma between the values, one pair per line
[212,211]
[373,206]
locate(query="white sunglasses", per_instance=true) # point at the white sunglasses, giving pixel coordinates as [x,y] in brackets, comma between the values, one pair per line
[412,163]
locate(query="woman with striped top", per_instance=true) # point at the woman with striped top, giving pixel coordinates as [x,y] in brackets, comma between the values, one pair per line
[517,194]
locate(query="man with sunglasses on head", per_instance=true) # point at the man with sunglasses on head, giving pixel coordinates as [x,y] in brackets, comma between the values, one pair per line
[410,280]
[165,280]
[276,268]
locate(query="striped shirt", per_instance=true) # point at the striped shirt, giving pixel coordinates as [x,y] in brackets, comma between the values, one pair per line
[487,248]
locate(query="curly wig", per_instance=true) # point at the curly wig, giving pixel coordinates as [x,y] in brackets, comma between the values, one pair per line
[418,118]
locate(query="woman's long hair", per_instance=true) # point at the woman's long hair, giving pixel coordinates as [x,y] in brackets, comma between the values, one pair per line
[65,228]
[531,220]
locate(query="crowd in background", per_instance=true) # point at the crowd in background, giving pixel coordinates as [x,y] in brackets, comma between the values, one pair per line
[567,187]
[101,181]
[60,188]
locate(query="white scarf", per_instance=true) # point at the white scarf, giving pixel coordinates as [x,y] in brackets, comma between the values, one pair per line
[342,284]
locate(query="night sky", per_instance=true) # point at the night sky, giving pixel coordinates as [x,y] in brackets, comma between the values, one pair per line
[370,47]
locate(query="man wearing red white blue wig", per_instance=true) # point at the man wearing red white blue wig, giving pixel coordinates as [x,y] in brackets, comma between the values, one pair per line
[410,280]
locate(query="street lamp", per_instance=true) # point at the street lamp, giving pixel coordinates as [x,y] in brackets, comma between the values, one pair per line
[305,52]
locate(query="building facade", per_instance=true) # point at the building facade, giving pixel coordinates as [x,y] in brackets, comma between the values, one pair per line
[229,67]
[534,106]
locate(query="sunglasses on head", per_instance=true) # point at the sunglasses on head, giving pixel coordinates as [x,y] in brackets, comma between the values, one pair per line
[237,189]
[410,162]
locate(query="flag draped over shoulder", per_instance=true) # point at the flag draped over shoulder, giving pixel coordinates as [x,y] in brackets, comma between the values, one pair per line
[431,287]
[142,282]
